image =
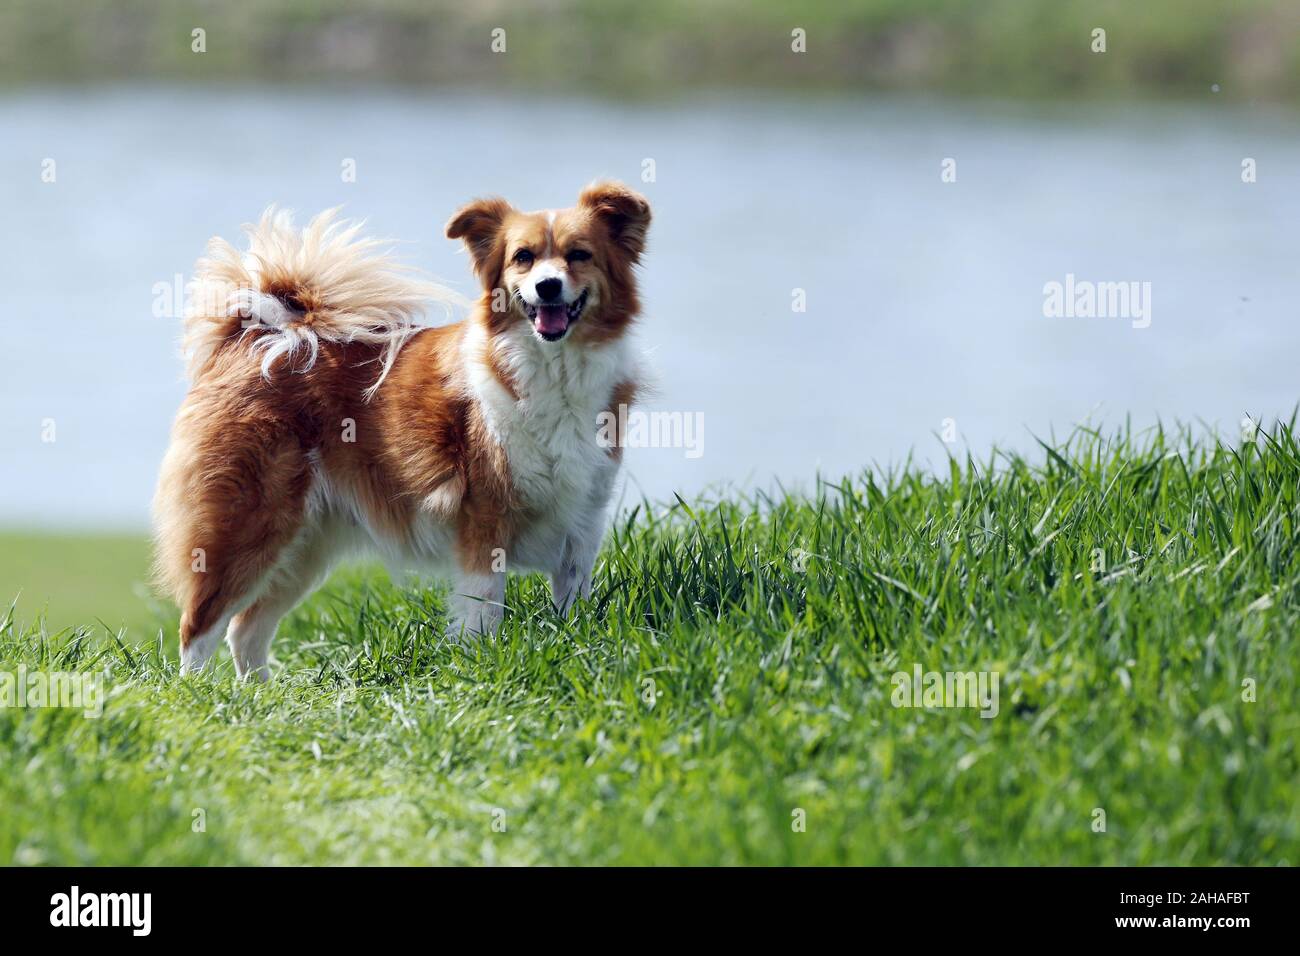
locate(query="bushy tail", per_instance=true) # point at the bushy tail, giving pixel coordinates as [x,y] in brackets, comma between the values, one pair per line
[294,289]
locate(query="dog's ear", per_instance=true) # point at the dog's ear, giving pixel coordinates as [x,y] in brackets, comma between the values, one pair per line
[479,224]
[625,213]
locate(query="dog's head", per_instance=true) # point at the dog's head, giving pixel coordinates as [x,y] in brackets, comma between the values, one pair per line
[568,273]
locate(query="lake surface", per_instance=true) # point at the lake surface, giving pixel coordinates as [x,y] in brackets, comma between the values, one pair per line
[924,298]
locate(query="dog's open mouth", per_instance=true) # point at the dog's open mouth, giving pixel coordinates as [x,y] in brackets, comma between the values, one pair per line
[552,320]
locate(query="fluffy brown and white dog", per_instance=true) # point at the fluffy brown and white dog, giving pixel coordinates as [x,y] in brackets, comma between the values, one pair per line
[321,420]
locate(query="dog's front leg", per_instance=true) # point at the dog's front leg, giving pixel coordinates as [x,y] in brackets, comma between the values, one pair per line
[478,602]
[571,577]
[478,598]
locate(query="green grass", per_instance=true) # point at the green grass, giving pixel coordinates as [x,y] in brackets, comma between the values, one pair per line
[1008,49]
[77,579]
[1120,689]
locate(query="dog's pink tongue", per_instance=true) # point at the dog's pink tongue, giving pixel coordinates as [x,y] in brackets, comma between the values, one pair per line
[552,319]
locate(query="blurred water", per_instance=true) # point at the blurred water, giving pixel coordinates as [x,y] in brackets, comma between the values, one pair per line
[924,298]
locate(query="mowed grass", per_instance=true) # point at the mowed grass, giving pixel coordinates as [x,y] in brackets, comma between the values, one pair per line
[726,695]
[77,579]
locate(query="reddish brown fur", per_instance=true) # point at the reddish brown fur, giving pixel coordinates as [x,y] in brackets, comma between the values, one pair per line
[237,476]
[624,395]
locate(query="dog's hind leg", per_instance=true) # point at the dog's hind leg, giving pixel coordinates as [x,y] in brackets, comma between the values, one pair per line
[229,519]
[304,569]
[197,648]
[228,601]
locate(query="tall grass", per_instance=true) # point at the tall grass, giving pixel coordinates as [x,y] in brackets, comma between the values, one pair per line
[726,695]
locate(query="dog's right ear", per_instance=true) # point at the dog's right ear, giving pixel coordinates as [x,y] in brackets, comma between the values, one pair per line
[479,224]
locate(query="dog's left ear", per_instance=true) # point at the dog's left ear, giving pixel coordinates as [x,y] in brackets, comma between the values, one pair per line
[625,213]
[479,224]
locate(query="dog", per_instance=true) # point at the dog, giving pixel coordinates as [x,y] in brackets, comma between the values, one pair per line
[323,420]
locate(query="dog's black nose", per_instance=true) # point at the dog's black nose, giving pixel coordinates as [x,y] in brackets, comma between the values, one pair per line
[548,290]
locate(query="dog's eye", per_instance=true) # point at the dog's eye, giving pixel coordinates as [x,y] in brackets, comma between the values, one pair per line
[523,257]
[577,255]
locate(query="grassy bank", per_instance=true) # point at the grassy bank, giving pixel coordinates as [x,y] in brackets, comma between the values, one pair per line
[732,677]
[1003,48]
[78,579]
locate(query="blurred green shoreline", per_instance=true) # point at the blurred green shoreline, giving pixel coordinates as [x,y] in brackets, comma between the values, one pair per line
[76,578]
[1017,49]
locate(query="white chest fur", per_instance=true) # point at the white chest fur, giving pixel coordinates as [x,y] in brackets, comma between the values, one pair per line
[558,468]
